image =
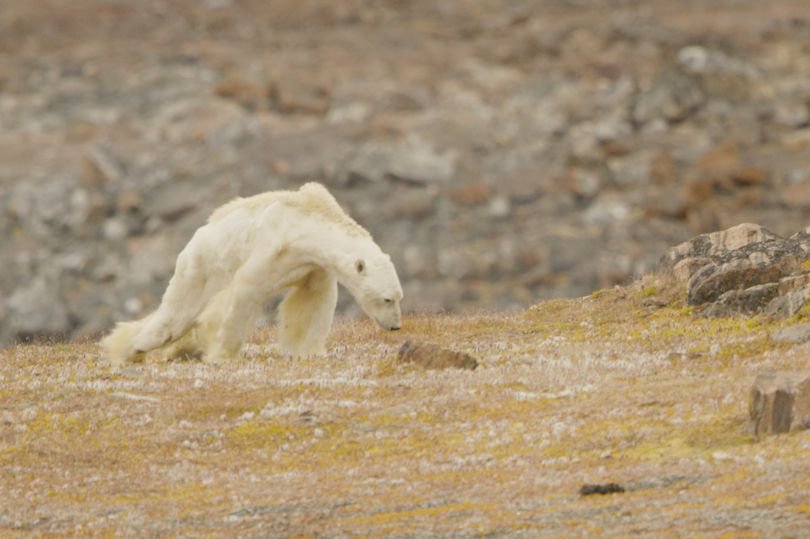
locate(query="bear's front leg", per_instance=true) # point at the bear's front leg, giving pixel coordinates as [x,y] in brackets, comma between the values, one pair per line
[232,314]
[306,314]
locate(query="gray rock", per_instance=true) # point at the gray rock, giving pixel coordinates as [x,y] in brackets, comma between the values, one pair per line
[411,160]
[152,259]
[794,291]
[715,244]
[780,402]
[794,282]
[748,301]
[741,269]
[37,311]
[297,96]
[792,114]
[101,167]
[634,169]
[792,334]
[698,59]
[687,267]
[673,98]
[745,269]
[719,73]
[115,229]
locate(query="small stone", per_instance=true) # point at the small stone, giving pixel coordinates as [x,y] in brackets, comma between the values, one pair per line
[100,167]
[471,194]
[780,402]
[299,97]
[128,201]
[419,162]
[249,94]
[719,73]
[606,488]
[133,305]
[791,114]
[432,356]
[115,229]
[673,98]
[499,207]
[413,161]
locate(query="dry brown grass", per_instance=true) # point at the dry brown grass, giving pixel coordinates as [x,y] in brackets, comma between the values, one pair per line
[626,386]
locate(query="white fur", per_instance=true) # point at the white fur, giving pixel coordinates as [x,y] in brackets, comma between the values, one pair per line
[250,249]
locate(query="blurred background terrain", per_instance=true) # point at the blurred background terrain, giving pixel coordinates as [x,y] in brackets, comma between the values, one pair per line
[502,152]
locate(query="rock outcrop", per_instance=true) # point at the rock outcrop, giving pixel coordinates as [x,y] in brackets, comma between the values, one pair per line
[503,154]
[745,269]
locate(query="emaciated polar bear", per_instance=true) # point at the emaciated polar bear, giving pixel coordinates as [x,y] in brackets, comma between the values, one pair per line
[250,249]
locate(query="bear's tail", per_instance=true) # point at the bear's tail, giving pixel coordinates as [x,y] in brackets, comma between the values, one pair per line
[117,346]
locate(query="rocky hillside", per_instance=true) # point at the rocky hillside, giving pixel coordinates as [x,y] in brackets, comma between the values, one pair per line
[502,152]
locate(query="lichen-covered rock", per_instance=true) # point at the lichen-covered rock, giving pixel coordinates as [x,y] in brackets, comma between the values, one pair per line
[745,269]
[713,244]
[747,301]
[739,270]
[788,304]
[780,402]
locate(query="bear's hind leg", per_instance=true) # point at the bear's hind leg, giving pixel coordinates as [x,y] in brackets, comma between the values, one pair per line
[306,314]
[185,297]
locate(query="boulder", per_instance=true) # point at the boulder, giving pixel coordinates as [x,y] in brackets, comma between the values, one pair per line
[716,243]
[793,334]
[748,301]
[780,402]
[412,160]
[37,311]
[745,269]
[740,272]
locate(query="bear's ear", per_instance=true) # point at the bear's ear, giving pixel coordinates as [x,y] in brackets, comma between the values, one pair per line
[360,265]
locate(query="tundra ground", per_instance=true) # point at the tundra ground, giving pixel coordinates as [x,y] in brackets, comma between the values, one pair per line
[626,386]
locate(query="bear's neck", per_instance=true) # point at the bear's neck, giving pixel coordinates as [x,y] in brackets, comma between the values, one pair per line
[335,249]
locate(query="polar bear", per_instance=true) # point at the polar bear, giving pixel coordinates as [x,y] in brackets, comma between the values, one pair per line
[250,249]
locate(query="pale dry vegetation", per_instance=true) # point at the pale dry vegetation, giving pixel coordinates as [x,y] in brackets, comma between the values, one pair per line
[626,386]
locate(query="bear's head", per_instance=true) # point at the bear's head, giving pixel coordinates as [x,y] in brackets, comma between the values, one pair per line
[375,286]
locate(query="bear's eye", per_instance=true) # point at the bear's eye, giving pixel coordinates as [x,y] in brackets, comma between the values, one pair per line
[388,300]
[360,266]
